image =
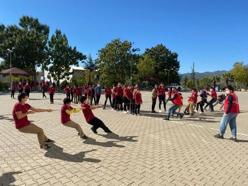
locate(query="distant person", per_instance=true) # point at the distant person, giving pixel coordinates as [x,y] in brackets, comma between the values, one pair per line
[44,89]
[231,111]
[12,89]
[203,95]
[154,98]
[51,91]
[20,87]
[138,100]
[20,114]
[67,91]
[161,96]
[213,95]
[98,92]
[108,93]
[27,89]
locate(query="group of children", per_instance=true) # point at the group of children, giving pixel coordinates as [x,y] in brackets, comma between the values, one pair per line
[22,109]
[20,87]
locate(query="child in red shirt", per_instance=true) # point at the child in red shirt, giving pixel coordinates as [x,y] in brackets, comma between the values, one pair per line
[66,111]
[51,91]
[90,118]
[138,100]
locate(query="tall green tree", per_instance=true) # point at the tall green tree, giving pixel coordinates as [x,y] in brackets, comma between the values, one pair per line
[61,56]
[227,77]
[29,39]
[146,68]
[240,73]
[116,62]
[91,66]
[166,64]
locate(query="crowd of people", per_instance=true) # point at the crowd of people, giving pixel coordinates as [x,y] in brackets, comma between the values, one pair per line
[126,98]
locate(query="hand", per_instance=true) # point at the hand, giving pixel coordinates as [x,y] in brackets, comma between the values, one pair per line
[31,112]
[49,110]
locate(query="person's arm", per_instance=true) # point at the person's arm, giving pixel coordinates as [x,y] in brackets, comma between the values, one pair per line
[230,102]
[40,110]
[21,115]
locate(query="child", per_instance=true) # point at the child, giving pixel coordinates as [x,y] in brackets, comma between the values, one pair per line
[138,101]
[66,111]
[90,118]
[51,92]
[192,101]
[176,99]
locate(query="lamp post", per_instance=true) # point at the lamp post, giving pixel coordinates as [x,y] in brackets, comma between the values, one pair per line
[10,65]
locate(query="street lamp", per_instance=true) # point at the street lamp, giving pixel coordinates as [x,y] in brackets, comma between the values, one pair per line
[10,65]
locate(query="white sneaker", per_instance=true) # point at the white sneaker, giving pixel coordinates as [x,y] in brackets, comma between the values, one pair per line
[160,111]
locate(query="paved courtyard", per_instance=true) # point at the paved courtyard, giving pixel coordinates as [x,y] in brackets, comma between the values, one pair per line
[147,151]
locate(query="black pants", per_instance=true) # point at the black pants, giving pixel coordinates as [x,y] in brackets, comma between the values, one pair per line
[43,94]
[91,100]
[12,94]
[119,102]
[126,103]
[68,95]
[51,98]
[162,100]
[210,104]
[97,99]
[201,105]
[132,106]
[154,100]
[97,123]
[137,109]
[107,97]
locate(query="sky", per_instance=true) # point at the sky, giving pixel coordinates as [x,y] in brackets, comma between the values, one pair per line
[211,33]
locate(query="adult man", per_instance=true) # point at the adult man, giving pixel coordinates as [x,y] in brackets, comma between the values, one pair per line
[231,111]
[20,114]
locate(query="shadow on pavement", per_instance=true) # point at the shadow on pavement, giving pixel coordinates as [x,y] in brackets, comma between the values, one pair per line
[242,141]
[91,141]
[56,152]
[119,138]
[8,178]
[6,118]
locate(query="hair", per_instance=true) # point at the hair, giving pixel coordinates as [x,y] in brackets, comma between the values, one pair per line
[82,99]
[22,96]
[66,101]
[230,87]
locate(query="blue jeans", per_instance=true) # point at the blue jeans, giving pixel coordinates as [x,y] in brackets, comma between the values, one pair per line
[172,110]
[231,119]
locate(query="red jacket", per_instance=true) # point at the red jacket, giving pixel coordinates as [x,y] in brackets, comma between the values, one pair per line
[108,91]
[177,99]
[235,104]
[51,90]
[161,91]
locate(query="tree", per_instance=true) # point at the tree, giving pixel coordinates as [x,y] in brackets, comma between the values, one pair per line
[61,56]
[90,65]
[193,78]
[227,78]
[29,39]
[240,73]
[116,61]
[146,68]
[166,64]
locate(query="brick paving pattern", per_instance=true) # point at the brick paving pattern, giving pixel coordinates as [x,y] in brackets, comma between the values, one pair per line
[148,150]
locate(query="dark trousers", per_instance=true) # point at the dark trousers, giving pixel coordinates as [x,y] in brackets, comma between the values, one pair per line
[68,95]
[172,110]
[107,97]
[210,104]
[154,100]
[162,100]
[12,94]
[51,98]
[43,94]
[97,99]
[132,106]
[114,105]
[137,109]
[126,103]
[97,123]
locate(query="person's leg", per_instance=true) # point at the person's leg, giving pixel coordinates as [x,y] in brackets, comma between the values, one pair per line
[191,109]
[76,126]
[33,129]
[105,102]
[153,104]
[201,106]
[52,98]
[160,102]
[138,110]
[164,103]
[223,124]
[233,126]
[100,124]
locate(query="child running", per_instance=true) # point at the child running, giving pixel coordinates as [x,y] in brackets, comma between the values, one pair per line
[90,118]
[66,111]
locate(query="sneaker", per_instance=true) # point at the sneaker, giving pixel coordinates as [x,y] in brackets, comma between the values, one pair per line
[233,139]
[181,116]
[166,119]
[45,146]
[219,136]
[160,110]
[94,130]
[84,137]
[50,141]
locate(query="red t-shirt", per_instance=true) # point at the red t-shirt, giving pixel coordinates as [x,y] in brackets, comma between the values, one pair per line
[64,116]
[51,90]
[67,90]
[88,114]
[19,123]
[108,91]
[161,91]
[213,94]
[119,91]
[138,98]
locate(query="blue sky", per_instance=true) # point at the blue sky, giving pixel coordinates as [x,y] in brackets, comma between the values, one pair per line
[211,33]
